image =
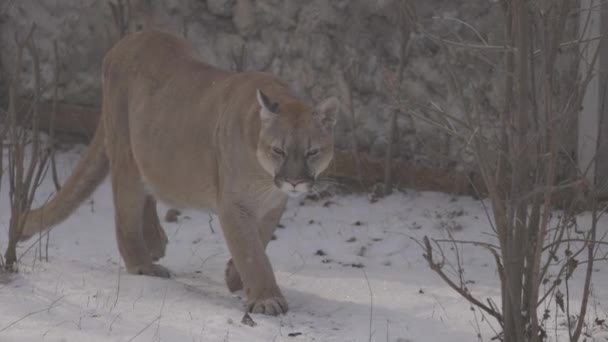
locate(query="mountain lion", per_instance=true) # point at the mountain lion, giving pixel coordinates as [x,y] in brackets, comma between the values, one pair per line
[176,129]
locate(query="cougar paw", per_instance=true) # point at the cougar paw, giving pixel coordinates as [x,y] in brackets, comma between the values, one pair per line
[153,270]
[232,277]
[271,306]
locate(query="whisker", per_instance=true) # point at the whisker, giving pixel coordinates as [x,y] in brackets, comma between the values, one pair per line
[338,185]
[333,182]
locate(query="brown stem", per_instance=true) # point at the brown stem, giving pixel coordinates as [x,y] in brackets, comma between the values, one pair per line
[588,274]
[428,256]
[53,116]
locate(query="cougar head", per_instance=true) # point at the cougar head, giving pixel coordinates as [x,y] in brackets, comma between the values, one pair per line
[296,142]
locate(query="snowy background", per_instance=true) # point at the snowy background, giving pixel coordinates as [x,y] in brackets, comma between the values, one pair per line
[350,270]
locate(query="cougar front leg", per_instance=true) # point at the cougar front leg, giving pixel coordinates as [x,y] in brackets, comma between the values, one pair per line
[129,202]
[240,228]
[154,235]
[268,225]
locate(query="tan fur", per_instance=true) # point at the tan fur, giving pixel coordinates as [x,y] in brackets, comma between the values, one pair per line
[195,136]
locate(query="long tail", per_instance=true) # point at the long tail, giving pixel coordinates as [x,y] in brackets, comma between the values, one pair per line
[91,170]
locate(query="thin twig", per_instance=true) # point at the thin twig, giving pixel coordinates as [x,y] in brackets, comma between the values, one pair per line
[588,274]
[438,269]
[347,94]
[53,117]
[47,309]
[371,304]
[211,224]
[144,329]
[117,285]
[162,307]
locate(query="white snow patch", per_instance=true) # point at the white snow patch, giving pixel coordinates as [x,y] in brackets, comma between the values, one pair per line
[326,259]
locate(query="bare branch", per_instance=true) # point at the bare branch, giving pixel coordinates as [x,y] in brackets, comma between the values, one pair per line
[436,267]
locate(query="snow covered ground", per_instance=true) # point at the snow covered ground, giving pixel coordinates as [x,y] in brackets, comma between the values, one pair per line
[349,269]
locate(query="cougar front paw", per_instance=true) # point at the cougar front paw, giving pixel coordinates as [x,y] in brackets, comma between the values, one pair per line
[232,277]
[272,306]
[154,270]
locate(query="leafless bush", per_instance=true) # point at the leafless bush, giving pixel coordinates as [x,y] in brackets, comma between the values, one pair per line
[347,94]
[25,172]
[519,159]
[402,13]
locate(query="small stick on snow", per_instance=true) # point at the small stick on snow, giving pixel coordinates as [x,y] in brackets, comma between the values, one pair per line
[117,286]
[371,304]
[211,224]
[144,329]
[47,309]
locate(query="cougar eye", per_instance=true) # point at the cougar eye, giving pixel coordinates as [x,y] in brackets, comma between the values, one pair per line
[278,151]
[313,152]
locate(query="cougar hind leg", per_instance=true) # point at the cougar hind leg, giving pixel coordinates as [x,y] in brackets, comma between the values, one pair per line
[129,193]
[129,203]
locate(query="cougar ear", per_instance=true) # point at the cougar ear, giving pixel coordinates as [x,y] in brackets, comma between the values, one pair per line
[269,109]
[327,112]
